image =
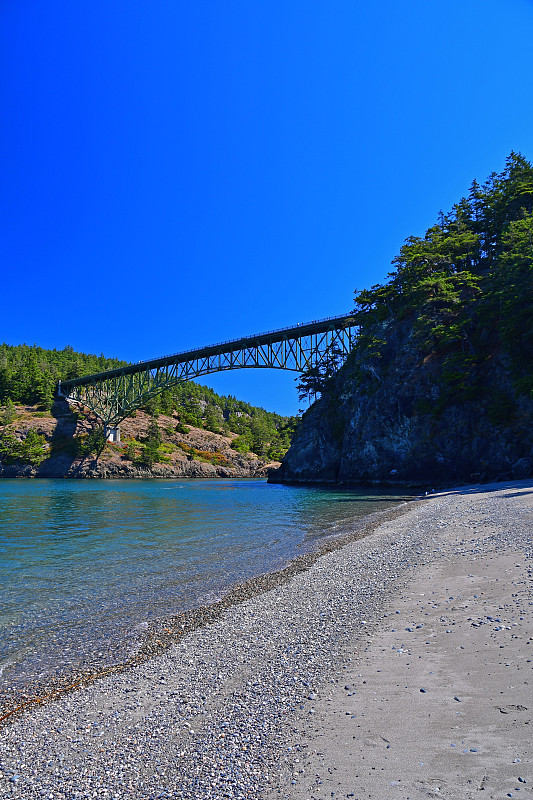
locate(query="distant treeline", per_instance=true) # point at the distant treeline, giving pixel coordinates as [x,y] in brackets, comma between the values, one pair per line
[29,375]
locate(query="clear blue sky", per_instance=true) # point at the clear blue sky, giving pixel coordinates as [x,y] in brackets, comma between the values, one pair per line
[176,174]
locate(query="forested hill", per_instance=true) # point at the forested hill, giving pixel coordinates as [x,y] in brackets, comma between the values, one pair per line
[440,384]
[29,375]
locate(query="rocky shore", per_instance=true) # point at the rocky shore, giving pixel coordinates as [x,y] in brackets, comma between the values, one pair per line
[196,453]
[398,665]
[116,467]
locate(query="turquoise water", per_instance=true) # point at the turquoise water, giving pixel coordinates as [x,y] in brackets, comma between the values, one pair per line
[86,565]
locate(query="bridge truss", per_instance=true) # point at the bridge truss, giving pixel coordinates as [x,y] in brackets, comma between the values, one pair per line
[115,394]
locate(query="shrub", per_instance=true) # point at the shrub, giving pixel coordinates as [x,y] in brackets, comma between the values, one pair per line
[31,450]
[93,443]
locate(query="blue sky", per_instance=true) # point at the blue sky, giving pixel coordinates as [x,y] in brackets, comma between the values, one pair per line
[176,174]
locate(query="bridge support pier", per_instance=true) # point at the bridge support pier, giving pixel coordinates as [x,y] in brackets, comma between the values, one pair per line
[112,434]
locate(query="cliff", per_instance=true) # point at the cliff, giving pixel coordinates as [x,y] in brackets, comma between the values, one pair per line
[439,387]
[388,427]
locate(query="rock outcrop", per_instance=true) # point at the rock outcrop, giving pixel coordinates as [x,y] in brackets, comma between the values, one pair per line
[387,423]
[439,386]
[63,467]
[195,454]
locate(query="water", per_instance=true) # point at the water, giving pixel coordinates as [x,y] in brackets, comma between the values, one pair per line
[85,566]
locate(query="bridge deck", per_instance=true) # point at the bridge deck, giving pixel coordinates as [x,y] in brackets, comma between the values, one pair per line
[295,331]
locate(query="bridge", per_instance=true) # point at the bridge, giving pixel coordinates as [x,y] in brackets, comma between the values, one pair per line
[115,394]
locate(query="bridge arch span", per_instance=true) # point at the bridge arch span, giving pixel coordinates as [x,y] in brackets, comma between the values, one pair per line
[115,394]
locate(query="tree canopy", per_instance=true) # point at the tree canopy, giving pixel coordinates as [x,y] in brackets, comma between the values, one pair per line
[29,374]
[467,285]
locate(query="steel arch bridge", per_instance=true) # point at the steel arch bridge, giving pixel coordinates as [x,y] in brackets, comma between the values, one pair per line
[115,394]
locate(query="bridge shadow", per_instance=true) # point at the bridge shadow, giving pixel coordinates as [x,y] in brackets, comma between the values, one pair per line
[64,446]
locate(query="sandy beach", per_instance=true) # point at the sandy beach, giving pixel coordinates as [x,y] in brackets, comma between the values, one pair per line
[397,666]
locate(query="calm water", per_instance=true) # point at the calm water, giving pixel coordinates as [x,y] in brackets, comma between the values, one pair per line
[86,565]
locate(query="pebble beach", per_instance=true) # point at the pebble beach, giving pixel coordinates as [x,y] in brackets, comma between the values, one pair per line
[396,665]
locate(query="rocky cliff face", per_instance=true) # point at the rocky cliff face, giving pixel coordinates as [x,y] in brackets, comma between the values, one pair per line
[389,421]
[439,387]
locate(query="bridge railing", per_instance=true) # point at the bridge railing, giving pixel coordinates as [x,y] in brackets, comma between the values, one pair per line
[300,329]
[251,336]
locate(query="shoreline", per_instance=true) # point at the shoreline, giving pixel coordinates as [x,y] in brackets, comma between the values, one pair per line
[436,702]
[235,707]
[163,633]
[192,470]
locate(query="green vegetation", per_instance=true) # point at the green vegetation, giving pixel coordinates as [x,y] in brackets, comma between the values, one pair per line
[92,443]
[216,458]
[31,450]
[313,380]
[258,431]
[7,412]
[465,291]
[29,374]
[151,449]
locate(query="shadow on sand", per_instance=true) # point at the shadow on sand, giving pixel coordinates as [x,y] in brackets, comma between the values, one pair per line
[517,488]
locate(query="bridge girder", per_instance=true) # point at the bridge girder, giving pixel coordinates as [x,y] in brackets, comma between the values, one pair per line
[116,394]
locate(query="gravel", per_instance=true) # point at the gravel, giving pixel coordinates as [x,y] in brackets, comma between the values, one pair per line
[214,714]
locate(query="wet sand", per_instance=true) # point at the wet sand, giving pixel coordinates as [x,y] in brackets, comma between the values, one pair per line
[325,683]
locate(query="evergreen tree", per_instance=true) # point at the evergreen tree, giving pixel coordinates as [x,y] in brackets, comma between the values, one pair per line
[468,284]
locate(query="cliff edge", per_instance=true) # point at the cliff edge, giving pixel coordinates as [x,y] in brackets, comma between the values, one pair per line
[439,387]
